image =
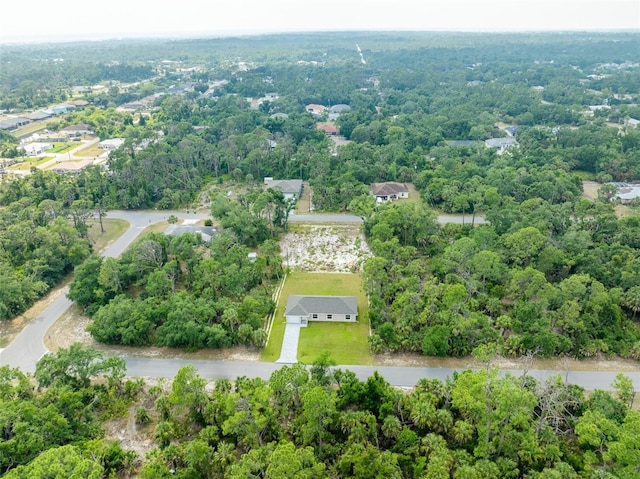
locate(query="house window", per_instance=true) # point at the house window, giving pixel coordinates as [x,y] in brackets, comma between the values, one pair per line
[314,316]
[329,316]
[347,316]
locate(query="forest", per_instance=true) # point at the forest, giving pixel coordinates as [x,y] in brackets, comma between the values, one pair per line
[549,272]
[179,292]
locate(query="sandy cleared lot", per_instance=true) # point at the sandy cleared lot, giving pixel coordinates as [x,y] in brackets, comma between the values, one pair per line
[325,248]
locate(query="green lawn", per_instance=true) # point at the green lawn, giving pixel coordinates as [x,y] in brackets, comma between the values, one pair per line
[63,147]
[113,229]
[346,342]
[29,162]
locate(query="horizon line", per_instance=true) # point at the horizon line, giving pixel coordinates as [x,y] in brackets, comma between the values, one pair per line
[182,35]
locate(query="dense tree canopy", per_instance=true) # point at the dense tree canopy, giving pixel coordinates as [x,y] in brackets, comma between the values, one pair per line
[178,291]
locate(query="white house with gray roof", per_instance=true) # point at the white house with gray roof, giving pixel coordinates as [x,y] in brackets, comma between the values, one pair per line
[206,232]
[302,309]
[501,144]
[291,189]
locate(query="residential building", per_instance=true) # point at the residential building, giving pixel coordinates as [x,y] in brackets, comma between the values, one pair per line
[13,122]
[76,130]
[328,130]
[302,309]
[111,144]
[501,144]
[389,191]
[627,192]
[36,148]
[315,109]
[206,232]
[291,189]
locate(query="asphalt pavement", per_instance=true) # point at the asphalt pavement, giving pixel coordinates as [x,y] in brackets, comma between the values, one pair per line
[401,376]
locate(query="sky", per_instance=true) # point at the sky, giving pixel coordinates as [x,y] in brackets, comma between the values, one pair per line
[47,20]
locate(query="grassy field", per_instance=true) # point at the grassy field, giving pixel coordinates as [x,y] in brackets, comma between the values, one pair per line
[63,147]
[346,342]
[30,162]
[91,150]
[32,127]
[113,229]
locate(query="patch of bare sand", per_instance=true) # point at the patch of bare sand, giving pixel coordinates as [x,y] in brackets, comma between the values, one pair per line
[126,432]
[325,248]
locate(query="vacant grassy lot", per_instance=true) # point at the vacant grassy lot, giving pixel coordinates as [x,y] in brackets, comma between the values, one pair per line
[91,150]
[33,127]
[63,147]
[113,229]
[346,342]
[29,163]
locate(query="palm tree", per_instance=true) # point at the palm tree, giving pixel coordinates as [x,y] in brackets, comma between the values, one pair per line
[631,299]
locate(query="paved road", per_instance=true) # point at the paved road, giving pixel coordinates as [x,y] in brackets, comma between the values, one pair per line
[28,346]
[68,155]
[395,375]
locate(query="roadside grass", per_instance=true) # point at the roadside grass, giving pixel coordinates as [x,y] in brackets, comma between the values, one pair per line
[347,343]
[91,150]
[32,127]
[62,147]
[30,162]
[113,229]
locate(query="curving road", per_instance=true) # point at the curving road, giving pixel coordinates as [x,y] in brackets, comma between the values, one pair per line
[28,346]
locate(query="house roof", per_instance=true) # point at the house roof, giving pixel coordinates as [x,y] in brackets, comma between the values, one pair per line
[38,115]
[207,232]
[463,142]
[512,130]
[293,187]
[69,166]
[78,127]
[627,191]
[312,107]
[339,108]
[500,142]
[388,188]
[9,123]
[304,305]
[327,128]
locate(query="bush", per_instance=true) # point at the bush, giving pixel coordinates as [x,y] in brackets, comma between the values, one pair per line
[142,416]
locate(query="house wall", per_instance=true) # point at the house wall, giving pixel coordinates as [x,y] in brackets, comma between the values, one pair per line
[339,318]
[294,319]
[336,318]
